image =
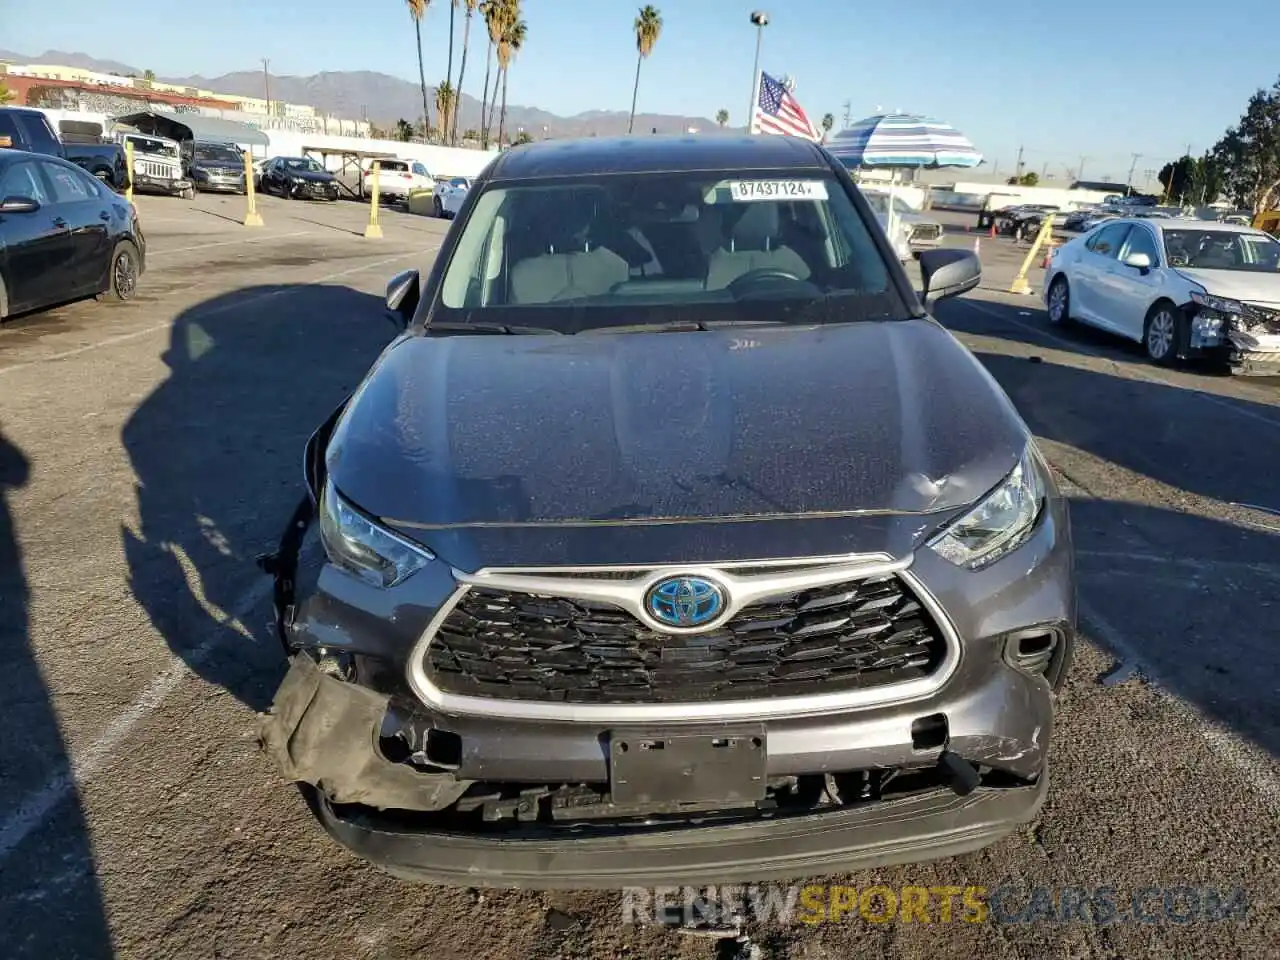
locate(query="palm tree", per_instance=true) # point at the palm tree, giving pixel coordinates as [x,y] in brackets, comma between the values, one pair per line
[495,19]
[462,70]
[445,102]
[6,95]
[647,26]
[404,130]
[722,116]
[417,10]
[828,121]
[512,40]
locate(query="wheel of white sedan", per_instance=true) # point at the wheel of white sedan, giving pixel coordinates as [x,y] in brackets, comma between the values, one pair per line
[1161,335]
[1059,308]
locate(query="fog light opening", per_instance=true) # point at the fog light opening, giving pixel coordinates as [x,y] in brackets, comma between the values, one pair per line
[929,733]
[1032,652]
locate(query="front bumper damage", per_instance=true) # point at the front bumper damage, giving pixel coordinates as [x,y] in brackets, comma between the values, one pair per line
[500,801]
[1249,344]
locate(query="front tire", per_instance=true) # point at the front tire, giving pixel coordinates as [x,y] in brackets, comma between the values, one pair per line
[1059,307]
[1162,334]
[439,207]
[123,277]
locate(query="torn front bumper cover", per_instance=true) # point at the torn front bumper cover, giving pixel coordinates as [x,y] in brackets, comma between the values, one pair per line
[1255,354]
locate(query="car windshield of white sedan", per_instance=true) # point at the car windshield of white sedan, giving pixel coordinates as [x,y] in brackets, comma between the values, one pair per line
[672,246]
[880,204]
[1222,250]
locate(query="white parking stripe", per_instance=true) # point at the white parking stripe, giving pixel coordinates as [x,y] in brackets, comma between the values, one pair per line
[1139,373]
[226,243]
[291,289]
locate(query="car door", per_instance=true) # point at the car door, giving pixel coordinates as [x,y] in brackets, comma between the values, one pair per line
[1128,291]
[36,248]
[83,208]
[271,176]
[1095,263]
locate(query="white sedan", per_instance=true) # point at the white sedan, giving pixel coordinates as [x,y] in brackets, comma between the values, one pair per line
[398,178]
[1182,288]
[450,196]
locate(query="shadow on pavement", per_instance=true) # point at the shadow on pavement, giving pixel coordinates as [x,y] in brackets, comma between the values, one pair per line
[217,451]
[52,906]
[1194,592]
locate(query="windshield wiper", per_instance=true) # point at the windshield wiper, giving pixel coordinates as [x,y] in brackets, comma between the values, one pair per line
[489,328]
[681,326]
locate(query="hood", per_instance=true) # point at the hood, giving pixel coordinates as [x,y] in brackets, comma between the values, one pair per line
[816,427]
[315,176]
[1260,288]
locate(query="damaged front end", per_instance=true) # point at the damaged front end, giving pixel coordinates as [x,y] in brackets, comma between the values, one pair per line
[1244,335]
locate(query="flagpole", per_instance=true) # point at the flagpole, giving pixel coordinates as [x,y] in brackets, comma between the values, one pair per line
[760,19]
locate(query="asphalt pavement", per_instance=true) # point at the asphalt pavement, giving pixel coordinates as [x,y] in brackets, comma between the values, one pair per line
[149,450]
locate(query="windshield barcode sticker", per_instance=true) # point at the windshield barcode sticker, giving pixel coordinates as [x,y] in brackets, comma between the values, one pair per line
[745,191]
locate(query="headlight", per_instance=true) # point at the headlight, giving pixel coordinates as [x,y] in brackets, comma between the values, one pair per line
[1217,304]
[361,547]
[1000,523]
[298,181]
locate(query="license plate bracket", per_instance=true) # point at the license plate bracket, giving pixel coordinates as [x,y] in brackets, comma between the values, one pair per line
[687,766]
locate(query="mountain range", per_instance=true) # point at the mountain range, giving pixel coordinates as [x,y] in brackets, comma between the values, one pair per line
[382,98]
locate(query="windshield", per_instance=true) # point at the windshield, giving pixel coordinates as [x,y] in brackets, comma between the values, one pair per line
[1222,250]
[216,153]
[658,248]
[153,148]
[303,163]
[880,204]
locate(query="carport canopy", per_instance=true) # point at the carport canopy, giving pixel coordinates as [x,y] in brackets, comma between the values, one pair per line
[194,126]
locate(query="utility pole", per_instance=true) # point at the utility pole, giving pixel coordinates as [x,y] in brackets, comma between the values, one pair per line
[1044,171]
[848,117]
[1128,184]
[1080,168]
[266,82]
[1017,172]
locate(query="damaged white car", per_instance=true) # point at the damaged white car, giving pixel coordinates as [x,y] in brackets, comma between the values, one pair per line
[1185,289]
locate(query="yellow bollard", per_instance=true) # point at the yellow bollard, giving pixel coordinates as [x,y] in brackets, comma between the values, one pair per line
[128,162]
[373,231]
[251,216]
[1020,284]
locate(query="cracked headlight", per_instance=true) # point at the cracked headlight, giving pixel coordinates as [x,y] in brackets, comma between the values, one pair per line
[1000,523]
[358,545]
[1217,304]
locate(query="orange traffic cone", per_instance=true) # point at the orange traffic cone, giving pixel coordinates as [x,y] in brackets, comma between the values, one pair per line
[993,229]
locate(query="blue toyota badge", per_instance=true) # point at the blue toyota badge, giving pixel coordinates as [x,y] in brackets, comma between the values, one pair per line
[685,601]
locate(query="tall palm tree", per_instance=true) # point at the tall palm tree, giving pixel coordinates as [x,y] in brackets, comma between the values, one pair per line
[647,26]
[495,13]
[418,10]
[512,40]
[462,70]
[446,100]
[828,121]
[448,75]
[722,116]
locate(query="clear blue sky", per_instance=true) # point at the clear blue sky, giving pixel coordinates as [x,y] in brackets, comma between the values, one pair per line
[1103,78]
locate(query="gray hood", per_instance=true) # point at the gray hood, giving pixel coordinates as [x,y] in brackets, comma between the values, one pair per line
[775,424]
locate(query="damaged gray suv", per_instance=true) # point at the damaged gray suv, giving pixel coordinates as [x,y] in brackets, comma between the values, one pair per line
[671,541]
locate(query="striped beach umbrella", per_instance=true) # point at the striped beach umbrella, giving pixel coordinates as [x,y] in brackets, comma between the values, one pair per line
[903,140]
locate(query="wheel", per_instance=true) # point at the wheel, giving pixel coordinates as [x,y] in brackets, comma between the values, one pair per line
[1059,308]
[1162,334]
[438,206]
[123,277]
[189,193]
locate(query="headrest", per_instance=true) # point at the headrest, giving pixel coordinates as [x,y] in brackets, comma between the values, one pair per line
[757,228]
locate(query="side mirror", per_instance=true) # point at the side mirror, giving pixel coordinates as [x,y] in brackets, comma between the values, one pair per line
[403,292]
[1139,261]
[19,205]
[948,273]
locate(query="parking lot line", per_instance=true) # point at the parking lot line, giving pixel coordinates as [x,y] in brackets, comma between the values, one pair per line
[227,243]
[125,337]
[1135,371]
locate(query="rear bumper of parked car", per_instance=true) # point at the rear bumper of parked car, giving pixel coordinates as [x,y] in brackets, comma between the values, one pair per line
[993,713]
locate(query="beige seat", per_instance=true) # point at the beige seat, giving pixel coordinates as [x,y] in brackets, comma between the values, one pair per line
[566,276]
[753,245]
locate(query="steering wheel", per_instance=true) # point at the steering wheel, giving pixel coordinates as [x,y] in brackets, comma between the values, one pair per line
[764,275]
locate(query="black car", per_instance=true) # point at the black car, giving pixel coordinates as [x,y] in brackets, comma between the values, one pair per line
[300,178]
[672,541]
[216,167]
[63,235]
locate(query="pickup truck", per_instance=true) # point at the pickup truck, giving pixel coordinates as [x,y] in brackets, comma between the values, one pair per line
[29,130]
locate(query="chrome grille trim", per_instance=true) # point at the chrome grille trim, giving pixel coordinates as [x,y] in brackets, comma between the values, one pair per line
[767,579]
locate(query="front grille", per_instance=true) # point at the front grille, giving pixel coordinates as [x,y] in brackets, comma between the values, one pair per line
[831,639]
[157,171]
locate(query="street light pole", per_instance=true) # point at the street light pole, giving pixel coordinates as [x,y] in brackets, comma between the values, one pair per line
[761,20]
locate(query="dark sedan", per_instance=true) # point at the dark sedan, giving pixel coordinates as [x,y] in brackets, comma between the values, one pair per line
[63,235]
[300,178]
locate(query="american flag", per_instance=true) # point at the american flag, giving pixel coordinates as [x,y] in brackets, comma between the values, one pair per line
[777,112]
